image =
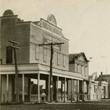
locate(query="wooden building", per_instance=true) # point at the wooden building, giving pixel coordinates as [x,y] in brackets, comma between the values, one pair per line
[33,61]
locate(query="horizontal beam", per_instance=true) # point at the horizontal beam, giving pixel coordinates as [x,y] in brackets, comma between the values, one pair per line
[52,44]
[14,42]
[15,47]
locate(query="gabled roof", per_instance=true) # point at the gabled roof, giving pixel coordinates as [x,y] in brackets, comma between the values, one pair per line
[76,55]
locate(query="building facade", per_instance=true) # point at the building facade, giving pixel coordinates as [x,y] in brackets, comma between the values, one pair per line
[33,61]
[106,77]
[98,88]
[78,64]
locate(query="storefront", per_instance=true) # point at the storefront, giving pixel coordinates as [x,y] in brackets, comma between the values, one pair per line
[33,62]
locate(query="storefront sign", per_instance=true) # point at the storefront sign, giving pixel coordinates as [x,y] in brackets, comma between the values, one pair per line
[51,28]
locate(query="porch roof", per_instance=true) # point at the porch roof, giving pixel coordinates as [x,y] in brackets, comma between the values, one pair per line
[34,68]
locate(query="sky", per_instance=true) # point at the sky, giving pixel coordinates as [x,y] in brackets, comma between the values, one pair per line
[86,23]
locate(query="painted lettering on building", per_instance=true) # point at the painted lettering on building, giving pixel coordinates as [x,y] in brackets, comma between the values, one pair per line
[49,39]
[51,28]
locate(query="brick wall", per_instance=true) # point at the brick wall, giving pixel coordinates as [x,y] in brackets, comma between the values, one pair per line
[7,33]
[0,38]
[22,36]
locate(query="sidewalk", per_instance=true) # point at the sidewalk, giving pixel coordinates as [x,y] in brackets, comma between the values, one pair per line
[69,102]
[59,106]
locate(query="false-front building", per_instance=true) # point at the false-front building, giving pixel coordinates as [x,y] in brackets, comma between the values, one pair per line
[78,64]
[33,61]
[105,77]
[98,87]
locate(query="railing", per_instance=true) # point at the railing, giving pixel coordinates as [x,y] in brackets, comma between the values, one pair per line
[62,98]
[84,97]
[74,97]
[34,98]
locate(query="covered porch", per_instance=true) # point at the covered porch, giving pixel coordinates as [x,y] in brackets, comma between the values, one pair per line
[66,86]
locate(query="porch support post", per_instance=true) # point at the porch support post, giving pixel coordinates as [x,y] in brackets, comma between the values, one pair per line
[29,89]
[64,89]
[87,86]
[57,88]
[67,90]
[89,90]
[77,90]
[71,90]
[0,89]
[83,91]
[48,87]
[87,83]
[106,91]
[61,90]
[7,87]
[38,78]
[23,88]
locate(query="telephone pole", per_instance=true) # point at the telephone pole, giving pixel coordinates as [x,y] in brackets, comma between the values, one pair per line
[51,58]
[16,69]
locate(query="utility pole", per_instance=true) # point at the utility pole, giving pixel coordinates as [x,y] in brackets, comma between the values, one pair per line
[16,69]
[51,58]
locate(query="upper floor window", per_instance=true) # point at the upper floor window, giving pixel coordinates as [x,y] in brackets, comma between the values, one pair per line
[48,55]
[86,71]
[61,59]
[64,60]
[79,68]
[76,67]
[55,56]
[9,54]
[0,61]
[58,58]
[82,70]
[45,54]
[37,50]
